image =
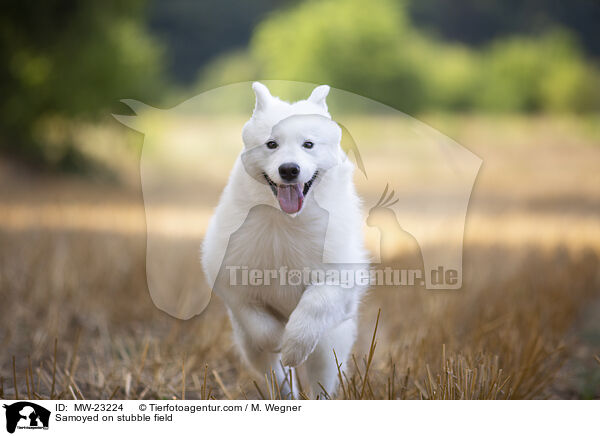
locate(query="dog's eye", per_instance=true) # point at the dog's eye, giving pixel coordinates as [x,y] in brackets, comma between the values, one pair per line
[308,144]
[271,144]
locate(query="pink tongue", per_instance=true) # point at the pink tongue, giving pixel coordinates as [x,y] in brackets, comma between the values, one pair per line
[290,198]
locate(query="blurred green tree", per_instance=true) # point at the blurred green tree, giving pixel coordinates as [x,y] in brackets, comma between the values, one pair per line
[531,74]
[69,59]
[353,45]
[196,32]
[374,50]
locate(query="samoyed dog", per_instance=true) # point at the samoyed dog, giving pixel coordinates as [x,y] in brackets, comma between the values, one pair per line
[289,209]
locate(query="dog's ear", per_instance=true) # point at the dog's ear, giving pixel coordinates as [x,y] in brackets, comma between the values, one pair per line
[319,95]
[263,96]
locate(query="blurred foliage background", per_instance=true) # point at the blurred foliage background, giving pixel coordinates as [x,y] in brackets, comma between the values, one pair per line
[64,61]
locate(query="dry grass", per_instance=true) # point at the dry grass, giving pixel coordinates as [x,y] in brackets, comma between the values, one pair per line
[76,319]
[79,322]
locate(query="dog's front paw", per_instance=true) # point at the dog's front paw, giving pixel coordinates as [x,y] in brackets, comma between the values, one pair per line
[297,347]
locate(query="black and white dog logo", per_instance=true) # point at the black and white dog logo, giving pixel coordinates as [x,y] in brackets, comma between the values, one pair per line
[26,415]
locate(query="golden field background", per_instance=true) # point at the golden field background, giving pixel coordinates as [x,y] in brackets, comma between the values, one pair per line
[77,321]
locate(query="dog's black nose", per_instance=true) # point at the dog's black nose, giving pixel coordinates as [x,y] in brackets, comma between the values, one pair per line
[289,171]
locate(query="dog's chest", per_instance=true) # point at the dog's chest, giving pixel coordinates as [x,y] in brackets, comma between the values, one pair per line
[269,240]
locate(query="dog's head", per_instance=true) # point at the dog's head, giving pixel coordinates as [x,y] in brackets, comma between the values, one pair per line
[288,145]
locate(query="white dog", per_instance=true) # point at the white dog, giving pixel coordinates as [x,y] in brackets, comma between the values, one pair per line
[289,205]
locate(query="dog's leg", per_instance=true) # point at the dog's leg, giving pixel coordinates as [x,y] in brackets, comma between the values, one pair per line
[321,364]
[321,308]
[265,361]
[263,330]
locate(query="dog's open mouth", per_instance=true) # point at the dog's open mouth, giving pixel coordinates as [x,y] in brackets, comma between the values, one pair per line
[290,197]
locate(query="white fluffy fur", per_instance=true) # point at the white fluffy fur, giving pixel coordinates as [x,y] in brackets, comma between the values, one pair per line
[289,325]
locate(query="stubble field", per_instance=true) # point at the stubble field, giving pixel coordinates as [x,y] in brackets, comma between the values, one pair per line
[77,321]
